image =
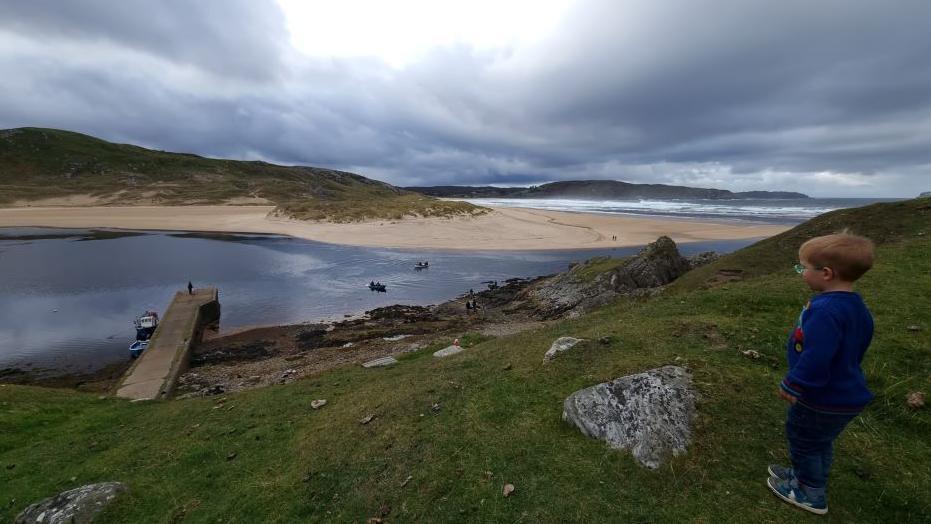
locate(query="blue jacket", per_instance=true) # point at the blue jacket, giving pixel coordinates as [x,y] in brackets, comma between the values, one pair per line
[825,351]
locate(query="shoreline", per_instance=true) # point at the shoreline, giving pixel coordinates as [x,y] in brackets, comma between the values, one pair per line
[503,229]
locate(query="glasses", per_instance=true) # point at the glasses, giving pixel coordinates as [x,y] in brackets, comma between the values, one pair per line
[799,268]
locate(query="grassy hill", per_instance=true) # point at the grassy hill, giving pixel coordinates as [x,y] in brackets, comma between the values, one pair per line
[460,428]
[37,164]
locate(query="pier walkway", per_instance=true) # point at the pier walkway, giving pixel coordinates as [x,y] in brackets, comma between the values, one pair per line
[155,373]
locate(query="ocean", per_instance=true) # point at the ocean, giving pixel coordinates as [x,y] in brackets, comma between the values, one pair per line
[792,211]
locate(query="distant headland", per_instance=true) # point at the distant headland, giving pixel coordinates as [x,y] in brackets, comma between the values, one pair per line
[600,190]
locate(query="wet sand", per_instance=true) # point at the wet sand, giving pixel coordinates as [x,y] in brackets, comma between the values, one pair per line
[501,229]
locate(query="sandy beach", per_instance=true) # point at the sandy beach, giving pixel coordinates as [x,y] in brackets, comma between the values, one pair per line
[502,229]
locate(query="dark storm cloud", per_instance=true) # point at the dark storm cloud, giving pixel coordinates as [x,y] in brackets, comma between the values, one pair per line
[200,33]
[737,94]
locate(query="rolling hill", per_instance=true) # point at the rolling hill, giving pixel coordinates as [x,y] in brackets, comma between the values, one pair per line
[38,164]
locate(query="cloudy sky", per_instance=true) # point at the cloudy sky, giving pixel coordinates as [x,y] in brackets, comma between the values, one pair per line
[830,98]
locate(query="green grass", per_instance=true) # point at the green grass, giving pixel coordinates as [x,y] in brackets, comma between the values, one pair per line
[592,268]
[48,163]
[499,422]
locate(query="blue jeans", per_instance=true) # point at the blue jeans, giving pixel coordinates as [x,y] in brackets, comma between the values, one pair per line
[811,437]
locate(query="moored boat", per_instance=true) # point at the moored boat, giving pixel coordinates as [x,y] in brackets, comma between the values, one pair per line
[137,347]
[145,325]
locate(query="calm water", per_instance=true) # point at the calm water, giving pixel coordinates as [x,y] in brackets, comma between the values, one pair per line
[787,211]
[68,297]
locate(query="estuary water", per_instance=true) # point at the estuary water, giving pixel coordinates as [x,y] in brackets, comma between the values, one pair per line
[68,297]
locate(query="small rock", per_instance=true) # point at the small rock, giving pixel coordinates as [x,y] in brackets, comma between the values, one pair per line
[435,408]
[507,367]
[913,328]
[380,362]
[231,455]
[915,400]
[317,404]
[306,478]
[560,345]
[365,420]
[407,480]
[508,489]
[10,466]
[346,345]
[489,475]
[751,353]
[448,350]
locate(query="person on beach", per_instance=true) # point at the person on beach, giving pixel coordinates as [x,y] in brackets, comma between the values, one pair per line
[825,386]
[190,288]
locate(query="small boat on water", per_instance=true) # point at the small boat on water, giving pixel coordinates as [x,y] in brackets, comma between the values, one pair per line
[145,325]
[421,265]
[137,347]
[378,286]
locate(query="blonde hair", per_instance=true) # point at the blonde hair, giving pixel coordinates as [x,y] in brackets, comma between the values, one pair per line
[850,256]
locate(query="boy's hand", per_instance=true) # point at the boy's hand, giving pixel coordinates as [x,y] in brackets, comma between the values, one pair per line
[785,396]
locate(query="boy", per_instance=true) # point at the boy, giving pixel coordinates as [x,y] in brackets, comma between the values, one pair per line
[825,386]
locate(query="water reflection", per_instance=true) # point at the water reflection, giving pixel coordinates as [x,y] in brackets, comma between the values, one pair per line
[68,297]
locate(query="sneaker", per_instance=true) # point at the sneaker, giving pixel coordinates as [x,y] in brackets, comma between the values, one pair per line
[781,472]
[796,496]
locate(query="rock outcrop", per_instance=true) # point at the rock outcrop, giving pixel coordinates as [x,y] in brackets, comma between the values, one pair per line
[559,345]
[76,506]
[576,291]
[649,413]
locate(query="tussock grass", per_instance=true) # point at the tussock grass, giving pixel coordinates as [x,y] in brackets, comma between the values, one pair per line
[499,422]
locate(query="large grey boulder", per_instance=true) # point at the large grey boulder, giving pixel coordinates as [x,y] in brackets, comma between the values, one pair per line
[649,413]
[559,345]
[76,506]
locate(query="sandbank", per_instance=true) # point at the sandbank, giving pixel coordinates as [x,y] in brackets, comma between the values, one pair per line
[501,229]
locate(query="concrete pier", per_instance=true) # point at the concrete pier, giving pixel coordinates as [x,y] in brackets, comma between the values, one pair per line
[155,373]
